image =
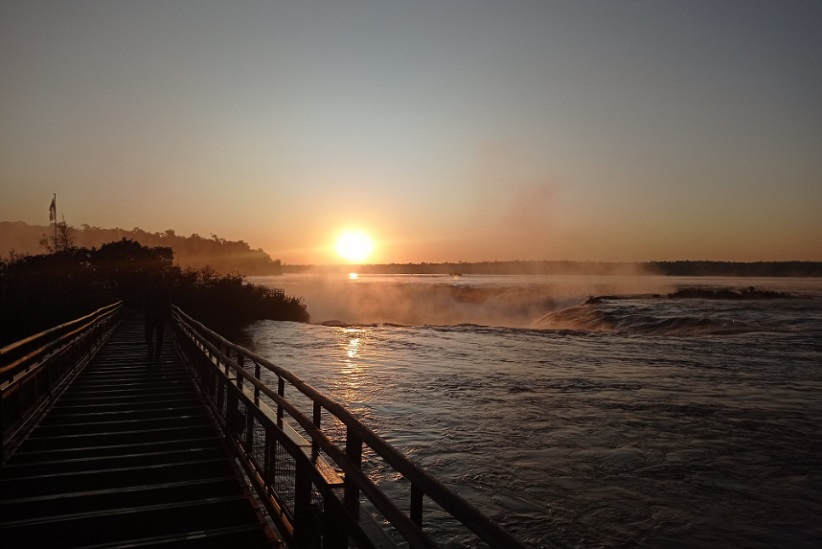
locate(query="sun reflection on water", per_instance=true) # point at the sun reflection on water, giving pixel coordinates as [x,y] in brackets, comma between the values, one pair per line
[351,367]
[353,347]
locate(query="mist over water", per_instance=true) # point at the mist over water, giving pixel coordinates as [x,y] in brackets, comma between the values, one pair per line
[629,420]
[442,300]
[627,303]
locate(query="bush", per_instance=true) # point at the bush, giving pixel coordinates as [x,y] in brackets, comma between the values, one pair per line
[37,292]
[226,303]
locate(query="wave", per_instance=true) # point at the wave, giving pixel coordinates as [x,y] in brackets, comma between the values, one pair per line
[647,315]
[588,318]
[691,310]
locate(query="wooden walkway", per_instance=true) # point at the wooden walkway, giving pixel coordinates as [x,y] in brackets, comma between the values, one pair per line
[128,457]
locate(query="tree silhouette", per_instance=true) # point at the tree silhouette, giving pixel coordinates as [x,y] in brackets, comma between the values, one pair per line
[62,240]
[37,292]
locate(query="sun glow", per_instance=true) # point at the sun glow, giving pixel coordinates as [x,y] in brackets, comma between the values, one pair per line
[354,246]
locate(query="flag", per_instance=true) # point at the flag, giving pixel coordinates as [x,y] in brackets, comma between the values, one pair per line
[53,209]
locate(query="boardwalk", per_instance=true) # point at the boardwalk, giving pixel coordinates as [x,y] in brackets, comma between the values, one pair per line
[127,457]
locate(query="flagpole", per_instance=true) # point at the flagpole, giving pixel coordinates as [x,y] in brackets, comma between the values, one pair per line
[54,203]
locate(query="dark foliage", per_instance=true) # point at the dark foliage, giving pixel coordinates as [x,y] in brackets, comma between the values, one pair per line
[37,292]
[227,303]
[192,251]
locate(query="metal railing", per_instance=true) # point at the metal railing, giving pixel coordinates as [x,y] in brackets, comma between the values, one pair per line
[310,466]
[35,370]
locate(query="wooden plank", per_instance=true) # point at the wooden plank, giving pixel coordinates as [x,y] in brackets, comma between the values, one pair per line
[128,456]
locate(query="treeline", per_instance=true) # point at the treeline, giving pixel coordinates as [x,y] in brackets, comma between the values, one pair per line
[193,251]
[665,268]
[41,291]
[476,268]
[740,269]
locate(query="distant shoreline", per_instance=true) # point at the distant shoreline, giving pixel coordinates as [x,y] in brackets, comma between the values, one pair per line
[800,269]
[227,256]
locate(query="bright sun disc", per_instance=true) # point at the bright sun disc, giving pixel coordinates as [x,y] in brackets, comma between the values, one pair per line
[354,246]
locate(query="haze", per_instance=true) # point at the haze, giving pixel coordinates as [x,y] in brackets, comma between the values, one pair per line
[447,131]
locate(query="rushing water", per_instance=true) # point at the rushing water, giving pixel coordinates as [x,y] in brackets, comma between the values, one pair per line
[634,420]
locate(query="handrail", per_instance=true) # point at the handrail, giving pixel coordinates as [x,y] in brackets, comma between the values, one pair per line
[35,370]
[15,351]
[353,473]
[348,460]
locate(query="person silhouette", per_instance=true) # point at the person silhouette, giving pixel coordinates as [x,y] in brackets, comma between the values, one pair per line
[156,310]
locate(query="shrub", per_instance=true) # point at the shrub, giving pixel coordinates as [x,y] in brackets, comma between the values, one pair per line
[37,292]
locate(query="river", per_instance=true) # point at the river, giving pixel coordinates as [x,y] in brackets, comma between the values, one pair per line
[633,419]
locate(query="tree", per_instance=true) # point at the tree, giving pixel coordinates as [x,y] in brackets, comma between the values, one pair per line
[37,292]
[62,240]
[126,265]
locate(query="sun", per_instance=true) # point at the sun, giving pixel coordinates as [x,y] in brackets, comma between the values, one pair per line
[354,246]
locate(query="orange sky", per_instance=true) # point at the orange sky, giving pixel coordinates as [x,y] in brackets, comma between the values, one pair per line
[448,131]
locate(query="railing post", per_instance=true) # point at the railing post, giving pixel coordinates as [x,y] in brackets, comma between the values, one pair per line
[249,431]
[269,461]
[315,446]
[281,393]
[232,413]
[239,377]
[239,389]
[306,534]
[416,505]
[353,449]
[335,527]
[249,415]
[220,386]
[256,387]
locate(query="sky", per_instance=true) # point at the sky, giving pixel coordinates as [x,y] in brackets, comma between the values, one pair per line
[446,130]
